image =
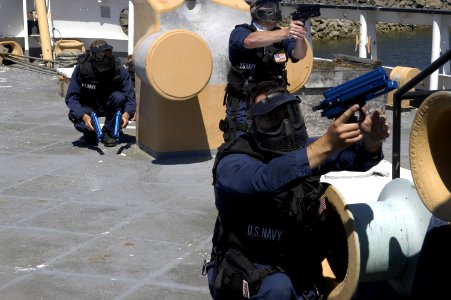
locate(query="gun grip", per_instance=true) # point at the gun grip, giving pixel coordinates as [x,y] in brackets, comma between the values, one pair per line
[357,118]
[352,119]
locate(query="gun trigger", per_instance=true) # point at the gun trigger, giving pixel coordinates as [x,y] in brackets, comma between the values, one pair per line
[362,115]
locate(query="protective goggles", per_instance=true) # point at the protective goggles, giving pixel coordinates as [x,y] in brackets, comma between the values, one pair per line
[102,52]
[269,114]
[267,10]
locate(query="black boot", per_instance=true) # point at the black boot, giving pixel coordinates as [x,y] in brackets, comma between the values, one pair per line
[107,139]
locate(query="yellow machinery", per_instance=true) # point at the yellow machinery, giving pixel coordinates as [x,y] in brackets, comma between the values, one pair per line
[181,59]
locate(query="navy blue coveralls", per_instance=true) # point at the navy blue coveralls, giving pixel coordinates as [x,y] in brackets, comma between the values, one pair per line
[121,98]
[241,178]
[237,57]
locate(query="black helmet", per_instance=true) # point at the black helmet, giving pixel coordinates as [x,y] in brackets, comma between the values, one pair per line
[277,124]
[266,10]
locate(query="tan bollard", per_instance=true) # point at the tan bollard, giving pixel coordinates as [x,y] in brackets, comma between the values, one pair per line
[402,75]
[181,61]
[15,48]
[430,148]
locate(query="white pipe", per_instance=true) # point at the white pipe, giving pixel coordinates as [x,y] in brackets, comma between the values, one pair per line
[382,243]
[435,53]
[445,47]
[131,27]
[363,36]
[25,26]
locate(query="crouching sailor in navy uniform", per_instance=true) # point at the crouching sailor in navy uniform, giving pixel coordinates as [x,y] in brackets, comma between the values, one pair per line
[268,241]
[99,85]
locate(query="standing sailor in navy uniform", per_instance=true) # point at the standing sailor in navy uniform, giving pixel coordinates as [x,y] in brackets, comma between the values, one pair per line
[258,52]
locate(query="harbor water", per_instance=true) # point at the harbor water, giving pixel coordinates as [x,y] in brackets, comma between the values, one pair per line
[407,48]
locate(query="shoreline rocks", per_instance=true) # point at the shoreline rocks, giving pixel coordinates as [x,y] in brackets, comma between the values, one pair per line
[341,28]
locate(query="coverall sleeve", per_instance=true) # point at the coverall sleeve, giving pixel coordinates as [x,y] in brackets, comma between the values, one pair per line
[129,91]
[236,43]
[242,174]
[289,45]
[73,95]
[354,158]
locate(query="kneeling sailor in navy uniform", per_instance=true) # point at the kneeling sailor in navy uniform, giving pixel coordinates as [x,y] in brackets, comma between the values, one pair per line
[269,236]
[98,85]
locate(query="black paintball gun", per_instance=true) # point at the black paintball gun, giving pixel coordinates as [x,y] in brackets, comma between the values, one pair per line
[355,91]
[305,11]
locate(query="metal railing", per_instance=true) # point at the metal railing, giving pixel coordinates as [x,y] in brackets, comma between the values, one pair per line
[402,93]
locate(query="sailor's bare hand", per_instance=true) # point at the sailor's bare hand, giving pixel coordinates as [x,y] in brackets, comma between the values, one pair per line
[297,30]
[339,135]
[375,129]
[342,134]
[87,119]
[125,118]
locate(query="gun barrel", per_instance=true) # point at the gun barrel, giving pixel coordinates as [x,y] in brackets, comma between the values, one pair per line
[97,127]
[305,11]
[357,90]
[117,124]
[367,78]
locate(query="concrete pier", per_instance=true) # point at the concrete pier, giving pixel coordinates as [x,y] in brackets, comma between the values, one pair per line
[93,223]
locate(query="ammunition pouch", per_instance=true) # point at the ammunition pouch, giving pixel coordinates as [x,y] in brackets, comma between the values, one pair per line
[229,125]
[236,277]
[304,203]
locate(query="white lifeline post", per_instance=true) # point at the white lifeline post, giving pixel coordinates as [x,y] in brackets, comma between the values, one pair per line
[445,47]
[25,28]
[435,53]
[131,27]
[363,36]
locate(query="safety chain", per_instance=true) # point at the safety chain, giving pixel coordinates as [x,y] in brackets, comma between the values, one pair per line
[24,62]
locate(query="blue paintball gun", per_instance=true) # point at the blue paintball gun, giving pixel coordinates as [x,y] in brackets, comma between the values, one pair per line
[95,122]
[117,125]
[358,90]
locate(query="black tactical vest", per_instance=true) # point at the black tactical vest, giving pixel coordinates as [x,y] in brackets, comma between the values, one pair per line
[281,230]
[260,64]
[94,89]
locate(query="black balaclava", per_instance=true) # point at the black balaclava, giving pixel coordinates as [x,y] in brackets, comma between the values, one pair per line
[103,63]
[277,124]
